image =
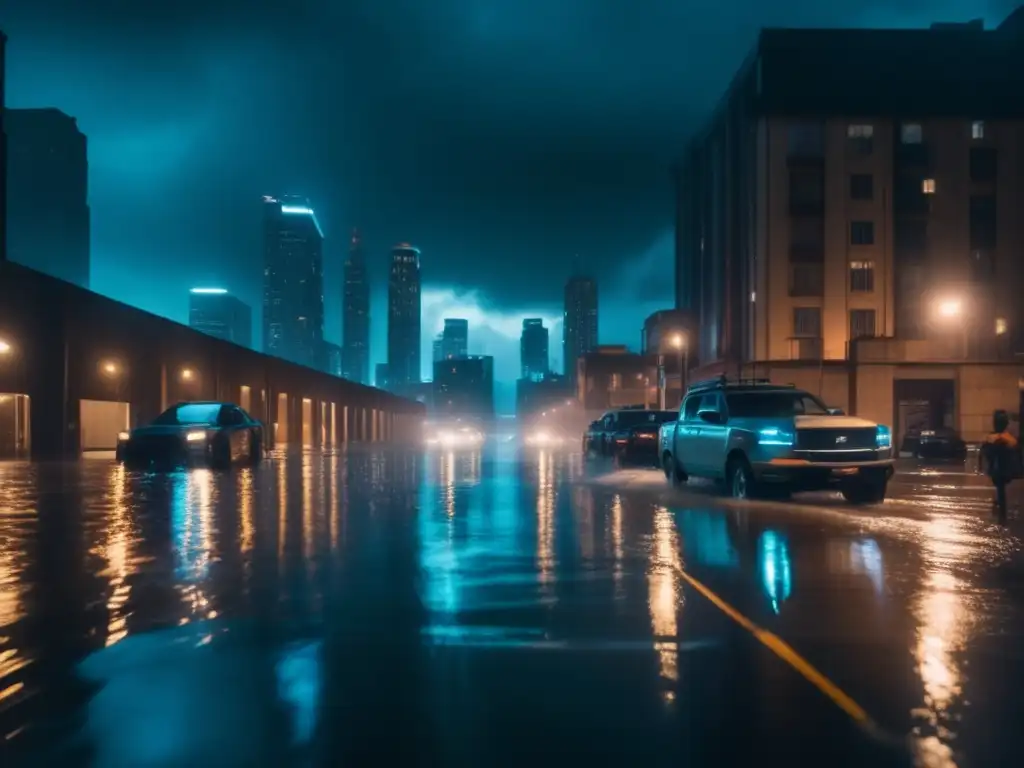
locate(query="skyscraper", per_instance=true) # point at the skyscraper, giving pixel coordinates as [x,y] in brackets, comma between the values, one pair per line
[216,312]
[454,339]
[533,349]
[355,331]
[579,326]
[48,193]
[404,322]
[293,292]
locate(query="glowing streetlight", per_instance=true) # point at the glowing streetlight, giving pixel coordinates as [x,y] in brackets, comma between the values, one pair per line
[110,368]
[187,374]
[950,308]
[5,347]
[678,341]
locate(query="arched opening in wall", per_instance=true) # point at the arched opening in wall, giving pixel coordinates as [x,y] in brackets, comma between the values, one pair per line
[281,424]
[100,422]
[307,422]
[323,423]
[15,427]
[334,424]
[245,398]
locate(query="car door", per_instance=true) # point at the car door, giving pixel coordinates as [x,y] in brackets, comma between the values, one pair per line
[236,430]
[687,430]
[711,438]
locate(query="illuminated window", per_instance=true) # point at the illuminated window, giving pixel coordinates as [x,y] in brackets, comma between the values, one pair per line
[978,129]
[928,186]
[1000,326]
[862,276]
[855,131]
[911,133]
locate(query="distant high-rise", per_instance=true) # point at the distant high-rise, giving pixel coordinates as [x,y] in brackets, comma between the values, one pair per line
[438,347]
[47,186]
[293,291]
[454,339]
[355,332]
[3,153]
[380,378]
[579,325]
[464,387]
[533,349]
[404,322]
[217,313]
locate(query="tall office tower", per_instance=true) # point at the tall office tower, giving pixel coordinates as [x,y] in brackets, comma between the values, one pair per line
[355,331]
[463,387]
[47,193]
[454,339]
[404,321]
[579,325]
[3,152]
[216,312]
[437,347]
[533,350]
[293,292]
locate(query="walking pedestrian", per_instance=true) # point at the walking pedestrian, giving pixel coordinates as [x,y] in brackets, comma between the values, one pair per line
[1000,459]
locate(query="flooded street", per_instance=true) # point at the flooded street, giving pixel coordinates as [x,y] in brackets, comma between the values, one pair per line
[498,607]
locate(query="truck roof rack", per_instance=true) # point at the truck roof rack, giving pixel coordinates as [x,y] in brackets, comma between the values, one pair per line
[723,381]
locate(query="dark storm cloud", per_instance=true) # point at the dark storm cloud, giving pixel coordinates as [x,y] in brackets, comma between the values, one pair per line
[510,139]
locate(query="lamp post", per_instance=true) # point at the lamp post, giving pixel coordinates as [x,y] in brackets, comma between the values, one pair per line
[681,342]
[951,311]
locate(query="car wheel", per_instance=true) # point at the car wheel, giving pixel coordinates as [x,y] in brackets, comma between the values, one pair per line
[865,491]
[739,479]
[673,473]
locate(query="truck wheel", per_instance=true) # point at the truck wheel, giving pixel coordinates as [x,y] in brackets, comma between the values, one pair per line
[867,490]
[673,473]
[739,479]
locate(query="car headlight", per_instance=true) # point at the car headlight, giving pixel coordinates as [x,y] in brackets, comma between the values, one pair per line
[775,436]
[195,437]
[883,437]
[123,436]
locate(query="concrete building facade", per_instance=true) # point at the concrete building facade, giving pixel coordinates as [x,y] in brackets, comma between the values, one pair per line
[813,216]
[47,182]
[216,312]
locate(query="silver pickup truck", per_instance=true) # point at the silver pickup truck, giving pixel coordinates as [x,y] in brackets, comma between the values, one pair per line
[771,440]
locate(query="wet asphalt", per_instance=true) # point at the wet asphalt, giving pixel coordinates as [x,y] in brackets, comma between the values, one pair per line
[503,606]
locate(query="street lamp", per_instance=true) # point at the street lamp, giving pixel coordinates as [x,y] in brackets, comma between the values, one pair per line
[951,311]
[681,342]
[187,374]
[5,347]
[949,308]
[110,368]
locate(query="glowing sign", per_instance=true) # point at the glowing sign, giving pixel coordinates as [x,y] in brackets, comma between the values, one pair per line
[297,209]
[214,291]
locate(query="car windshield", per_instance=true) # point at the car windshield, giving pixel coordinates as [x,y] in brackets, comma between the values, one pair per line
[190,413]
[636,418]
[774,405]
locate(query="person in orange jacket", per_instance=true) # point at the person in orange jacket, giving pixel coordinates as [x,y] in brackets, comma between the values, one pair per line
[1000,459]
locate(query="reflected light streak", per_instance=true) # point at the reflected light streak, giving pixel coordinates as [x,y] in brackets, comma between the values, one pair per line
[945,623]
[448,482]
[333,510]
[584,506]
[245,512]
[664,598]
[282,507]
[307,509]
[193,504]
[117,558]
[11,583]
[545,525]
[617,548]
[776,571]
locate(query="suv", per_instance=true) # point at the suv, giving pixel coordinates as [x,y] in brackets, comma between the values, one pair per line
[770,439]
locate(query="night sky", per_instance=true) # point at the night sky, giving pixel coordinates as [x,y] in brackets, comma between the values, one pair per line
[508,139]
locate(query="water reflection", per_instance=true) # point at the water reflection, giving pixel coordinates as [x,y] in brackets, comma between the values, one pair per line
[776,573]
[664,598]
[119,537]
[545,522]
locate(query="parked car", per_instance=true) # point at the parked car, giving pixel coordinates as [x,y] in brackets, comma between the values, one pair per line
[769,439]
[635,440]
[200,433]
[935,444]
[602,435]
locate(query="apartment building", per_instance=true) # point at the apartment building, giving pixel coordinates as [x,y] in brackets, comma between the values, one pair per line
[856,200]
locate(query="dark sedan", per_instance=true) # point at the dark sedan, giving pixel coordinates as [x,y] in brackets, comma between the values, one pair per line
[938,444]
[635,440]
[212,434]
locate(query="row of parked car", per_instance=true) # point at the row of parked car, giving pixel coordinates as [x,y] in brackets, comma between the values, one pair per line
[762,439]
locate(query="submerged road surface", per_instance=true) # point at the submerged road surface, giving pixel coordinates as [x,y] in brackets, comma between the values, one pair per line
[499,607]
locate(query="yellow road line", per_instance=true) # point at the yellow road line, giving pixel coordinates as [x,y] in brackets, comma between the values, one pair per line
[785,652]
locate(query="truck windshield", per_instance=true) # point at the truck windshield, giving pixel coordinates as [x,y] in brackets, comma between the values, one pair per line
[773,405]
